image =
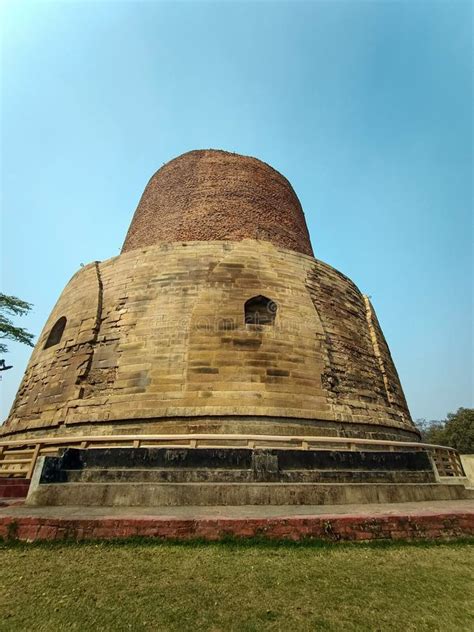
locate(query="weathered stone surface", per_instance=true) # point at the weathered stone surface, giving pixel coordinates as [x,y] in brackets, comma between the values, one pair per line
[467,461]
[234,465]
[158,339]
[164,353]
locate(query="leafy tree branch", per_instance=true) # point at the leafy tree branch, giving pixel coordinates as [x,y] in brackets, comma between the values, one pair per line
[456,431]
[13,306]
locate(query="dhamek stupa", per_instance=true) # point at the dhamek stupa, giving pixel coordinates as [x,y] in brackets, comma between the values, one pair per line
[215,318]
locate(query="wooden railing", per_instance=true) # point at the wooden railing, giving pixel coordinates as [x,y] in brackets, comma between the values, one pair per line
[18,457]
[448,462]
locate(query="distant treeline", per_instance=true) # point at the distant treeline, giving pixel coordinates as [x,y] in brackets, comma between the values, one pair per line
[457,430]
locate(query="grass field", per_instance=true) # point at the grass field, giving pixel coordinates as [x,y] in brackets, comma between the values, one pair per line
[236,586]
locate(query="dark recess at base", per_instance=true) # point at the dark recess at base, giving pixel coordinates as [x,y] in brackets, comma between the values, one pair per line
[240,464]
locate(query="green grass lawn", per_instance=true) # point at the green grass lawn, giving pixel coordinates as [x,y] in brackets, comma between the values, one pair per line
[236,586]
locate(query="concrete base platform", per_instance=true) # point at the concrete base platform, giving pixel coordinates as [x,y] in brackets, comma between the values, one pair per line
[232,494]
[401,521]
[174,477]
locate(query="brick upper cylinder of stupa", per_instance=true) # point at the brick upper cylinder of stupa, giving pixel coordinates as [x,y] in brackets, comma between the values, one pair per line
[212,195]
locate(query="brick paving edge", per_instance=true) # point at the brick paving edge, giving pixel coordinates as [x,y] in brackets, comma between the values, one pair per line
[335,528]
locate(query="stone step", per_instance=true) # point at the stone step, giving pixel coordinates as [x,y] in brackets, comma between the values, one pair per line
[191,475]
[12,502]
[238,494]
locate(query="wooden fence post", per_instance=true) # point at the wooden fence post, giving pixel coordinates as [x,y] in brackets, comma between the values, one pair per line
[34,457]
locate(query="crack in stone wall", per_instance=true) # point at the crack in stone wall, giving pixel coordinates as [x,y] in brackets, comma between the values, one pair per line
[393,389]
[375,344]
[84,374]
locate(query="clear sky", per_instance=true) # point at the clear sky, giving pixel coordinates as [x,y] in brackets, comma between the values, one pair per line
[366,107]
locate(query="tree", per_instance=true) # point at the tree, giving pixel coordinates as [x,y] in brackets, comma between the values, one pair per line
[459,430]
[11,305]
[431,431]
[456,431]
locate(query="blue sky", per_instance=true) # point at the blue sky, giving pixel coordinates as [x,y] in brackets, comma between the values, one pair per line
[366,107]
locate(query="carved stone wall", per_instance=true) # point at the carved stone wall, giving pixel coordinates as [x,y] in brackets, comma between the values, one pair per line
[156,340]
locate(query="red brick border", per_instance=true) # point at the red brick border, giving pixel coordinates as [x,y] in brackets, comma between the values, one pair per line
[14,487]
[329,527]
